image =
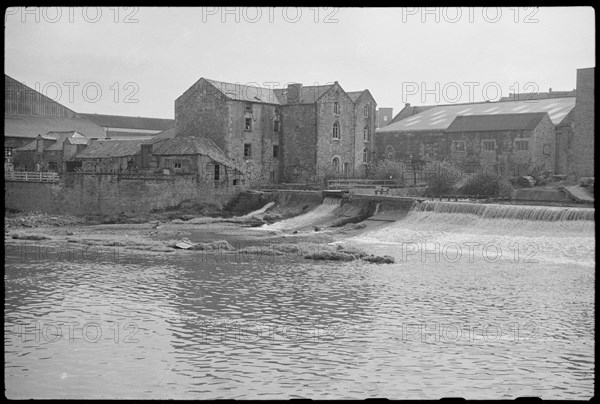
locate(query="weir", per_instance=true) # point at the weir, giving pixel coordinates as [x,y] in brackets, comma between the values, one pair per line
[515,212]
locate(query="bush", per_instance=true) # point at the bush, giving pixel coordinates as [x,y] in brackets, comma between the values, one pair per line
[388,170]
[487,184]
[444,178]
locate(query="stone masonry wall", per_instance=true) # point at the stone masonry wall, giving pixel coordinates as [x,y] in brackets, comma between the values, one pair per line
[581,158]
[88,194]
[327,146]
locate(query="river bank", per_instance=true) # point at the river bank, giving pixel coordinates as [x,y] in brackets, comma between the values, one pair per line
[224,236]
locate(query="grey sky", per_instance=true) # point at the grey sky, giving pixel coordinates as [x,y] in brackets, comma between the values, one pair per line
[152,55]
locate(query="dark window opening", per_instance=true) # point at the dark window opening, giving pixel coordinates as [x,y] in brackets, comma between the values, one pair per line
[275,151]
[247,150]
[217,172]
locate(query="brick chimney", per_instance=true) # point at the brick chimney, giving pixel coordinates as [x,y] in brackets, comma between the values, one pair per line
[294,93]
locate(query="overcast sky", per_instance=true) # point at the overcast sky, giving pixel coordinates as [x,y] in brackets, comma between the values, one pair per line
[138,61]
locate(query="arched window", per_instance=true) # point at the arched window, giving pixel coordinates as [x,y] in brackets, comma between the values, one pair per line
[336,130]
[365,155]
[366,112]
[390,152]
[336,164]
[366,134]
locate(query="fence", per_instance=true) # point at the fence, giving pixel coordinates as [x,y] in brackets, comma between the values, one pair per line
[31,176]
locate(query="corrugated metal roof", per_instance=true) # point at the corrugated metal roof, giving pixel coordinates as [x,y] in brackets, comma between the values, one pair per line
[192,145]
[440,117]
[130,122]
[481,123]
[32,125]
[110,148]
[241,92]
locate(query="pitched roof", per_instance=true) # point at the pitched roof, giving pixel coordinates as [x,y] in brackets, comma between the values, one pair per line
[191,145]
[32,125]
[165,134]
[482,123]
[538,96]
[440,117]
[308,94]
[241,92]
[130,122]
[354,95]
[110,148]
[62,136]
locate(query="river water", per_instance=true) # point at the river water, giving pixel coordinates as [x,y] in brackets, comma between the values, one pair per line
[474,306]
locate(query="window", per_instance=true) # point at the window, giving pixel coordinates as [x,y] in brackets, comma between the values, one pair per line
[366,111]
[336,130]
[522,145]
[248,124]
[275,151]
[177,164]
[8,151]
[346,169]
[276,123]
[217,174]
[247,150]
[390,152]
[459,146]
[366,134]
[336,164]
[336,108]
[488,145]
[365,155]
[547,150]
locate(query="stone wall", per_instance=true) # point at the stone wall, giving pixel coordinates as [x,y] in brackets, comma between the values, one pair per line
[581,158]
[298,142]
[327,147]
[107,194]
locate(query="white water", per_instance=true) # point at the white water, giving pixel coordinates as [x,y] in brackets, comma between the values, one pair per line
[261,210]
[320,214]
[518,212]
[492,234]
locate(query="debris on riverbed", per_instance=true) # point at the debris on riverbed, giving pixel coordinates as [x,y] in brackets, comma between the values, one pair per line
[386,259]
[330,256]
[35,219]
[30,236]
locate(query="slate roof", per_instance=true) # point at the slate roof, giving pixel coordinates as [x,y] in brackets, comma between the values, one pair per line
[500,122]
[32,125]
[165,134]
[59,138]
[308,94]
[109,149]
[241,92]
[354,95]
[75,138]
[439,117]
[130,122]
[192,145]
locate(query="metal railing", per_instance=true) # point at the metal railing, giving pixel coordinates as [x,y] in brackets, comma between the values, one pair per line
[362,183]
[31,176]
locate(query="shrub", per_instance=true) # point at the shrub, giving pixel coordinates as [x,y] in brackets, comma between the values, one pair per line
[388,170]
[487,184]
[444,177]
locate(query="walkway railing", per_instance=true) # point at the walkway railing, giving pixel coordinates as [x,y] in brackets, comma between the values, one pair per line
[362,183]
[31,176]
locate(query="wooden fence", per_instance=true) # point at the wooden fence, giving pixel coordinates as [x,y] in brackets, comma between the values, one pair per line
[31,176]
